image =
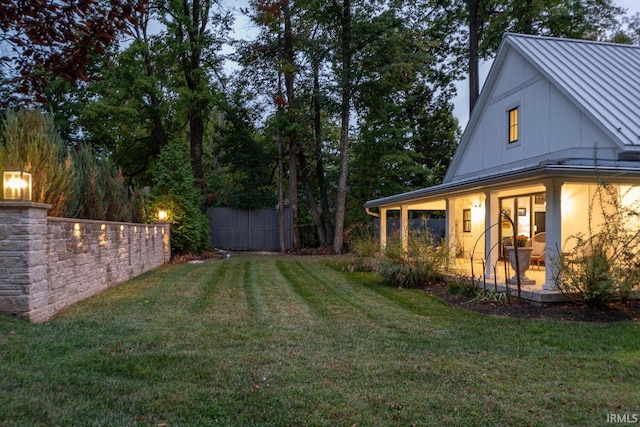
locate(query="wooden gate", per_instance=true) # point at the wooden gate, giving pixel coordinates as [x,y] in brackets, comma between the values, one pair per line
[248,229]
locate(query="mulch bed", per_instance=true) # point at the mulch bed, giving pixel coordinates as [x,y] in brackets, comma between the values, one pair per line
[515,308]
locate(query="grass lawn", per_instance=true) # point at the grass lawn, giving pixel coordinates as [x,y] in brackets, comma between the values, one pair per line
[289,341]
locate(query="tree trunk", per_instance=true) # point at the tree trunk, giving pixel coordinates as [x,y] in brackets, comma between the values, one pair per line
[311,200]
[283,247]
[528,27]
[317,131]
[345,86]
[198,12]
[158,134]
[289,81]
[474,35]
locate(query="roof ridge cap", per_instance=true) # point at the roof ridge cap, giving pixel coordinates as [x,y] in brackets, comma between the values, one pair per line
[569,40]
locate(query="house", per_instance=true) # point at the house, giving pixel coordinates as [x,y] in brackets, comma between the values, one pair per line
[554,114]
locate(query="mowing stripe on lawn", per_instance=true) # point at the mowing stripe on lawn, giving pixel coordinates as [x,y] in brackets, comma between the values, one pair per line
[361,299]
[300,287]
[252,287]
[284,308]
[208,283]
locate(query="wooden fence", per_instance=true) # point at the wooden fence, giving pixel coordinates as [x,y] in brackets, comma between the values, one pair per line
[435,226]
[248,229]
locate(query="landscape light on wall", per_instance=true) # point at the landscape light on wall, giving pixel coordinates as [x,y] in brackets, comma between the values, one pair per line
[162,214]
[17,185]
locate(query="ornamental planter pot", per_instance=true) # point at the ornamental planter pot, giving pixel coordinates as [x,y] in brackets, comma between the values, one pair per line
[524,261]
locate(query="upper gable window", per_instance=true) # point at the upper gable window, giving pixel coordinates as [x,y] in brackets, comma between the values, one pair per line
[513,125]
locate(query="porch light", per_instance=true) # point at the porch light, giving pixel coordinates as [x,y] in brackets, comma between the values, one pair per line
[17,185]
[162,214]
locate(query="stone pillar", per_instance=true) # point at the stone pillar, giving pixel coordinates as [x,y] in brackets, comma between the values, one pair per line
[23,260]
[166,239]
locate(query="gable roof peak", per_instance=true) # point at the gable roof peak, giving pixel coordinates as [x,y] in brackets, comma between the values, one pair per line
[602,79]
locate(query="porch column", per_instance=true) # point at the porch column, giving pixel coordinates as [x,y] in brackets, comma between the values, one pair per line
[491,246]
[383,228]
[404,227]
[554,230]
[450,229]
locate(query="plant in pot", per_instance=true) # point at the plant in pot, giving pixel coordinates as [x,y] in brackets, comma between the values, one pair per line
[523,252]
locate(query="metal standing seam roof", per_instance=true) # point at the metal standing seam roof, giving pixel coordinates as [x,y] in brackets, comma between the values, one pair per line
[603,79]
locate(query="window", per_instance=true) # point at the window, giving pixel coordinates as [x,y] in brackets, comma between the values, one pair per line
[466,220]
[513,125]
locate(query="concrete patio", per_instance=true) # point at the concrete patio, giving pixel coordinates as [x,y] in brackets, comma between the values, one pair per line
[533,293]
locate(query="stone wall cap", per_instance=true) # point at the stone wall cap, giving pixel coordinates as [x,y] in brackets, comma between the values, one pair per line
[23,204]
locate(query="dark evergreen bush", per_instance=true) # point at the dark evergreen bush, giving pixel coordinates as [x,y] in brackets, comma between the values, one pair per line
[173,190]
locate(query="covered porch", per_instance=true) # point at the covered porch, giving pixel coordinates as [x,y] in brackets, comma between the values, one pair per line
[537,201]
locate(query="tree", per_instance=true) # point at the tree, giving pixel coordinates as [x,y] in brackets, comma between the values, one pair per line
[346,51]
[131,112]
[488,20]
[196,48]
[244,180]
[46,39]
[279,52]
[173,190]
[407,131]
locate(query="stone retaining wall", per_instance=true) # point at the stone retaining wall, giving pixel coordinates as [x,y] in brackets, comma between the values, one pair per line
[48,264]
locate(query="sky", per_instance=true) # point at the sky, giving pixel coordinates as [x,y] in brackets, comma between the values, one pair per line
[461,101]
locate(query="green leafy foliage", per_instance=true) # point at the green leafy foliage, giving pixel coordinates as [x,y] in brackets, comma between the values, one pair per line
[174,191]
[245,180]
[460,287]
[29,141]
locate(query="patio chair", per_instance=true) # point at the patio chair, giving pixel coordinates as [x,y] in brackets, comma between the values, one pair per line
[538,243]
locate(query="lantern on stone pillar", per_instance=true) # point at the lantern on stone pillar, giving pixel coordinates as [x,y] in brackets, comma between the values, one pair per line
[17,185]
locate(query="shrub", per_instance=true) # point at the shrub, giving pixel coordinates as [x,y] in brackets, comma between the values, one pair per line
[362,243]
[98,189]
[424,261]
[458,287]
[173,190]
[29,141]
[88,187]
[76,186]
